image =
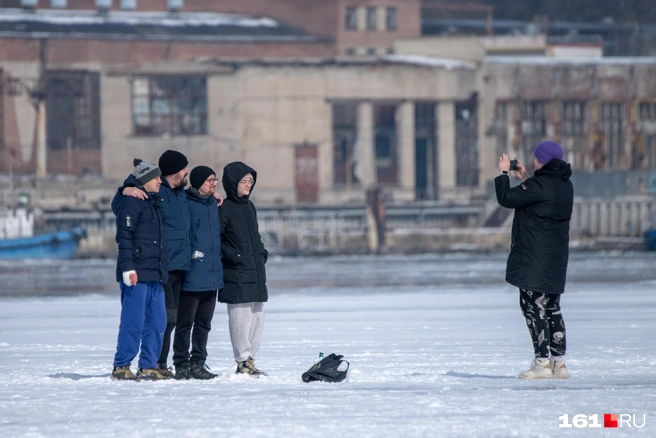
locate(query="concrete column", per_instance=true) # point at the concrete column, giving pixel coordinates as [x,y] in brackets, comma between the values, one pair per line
[446,149]
[406,145]
[41,154]
[364,148]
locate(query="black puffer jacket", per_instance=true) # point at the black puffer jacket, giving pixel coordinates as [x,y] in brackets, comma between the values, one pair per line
[244,256]
[540,232]
[139,234]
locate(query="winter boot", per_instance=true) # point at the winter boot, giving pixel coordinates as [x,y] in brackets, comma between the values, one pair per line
[252,365]
[201,371]
[540,369]
[248,367]
[183,371]
[559,369]
[123,373]
[150,374]
[163,369]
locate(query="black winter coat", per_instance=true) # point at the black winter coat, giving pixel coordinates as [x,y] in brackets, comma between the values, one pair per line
[244,256]
[206,271]
[139,234]
[540,232]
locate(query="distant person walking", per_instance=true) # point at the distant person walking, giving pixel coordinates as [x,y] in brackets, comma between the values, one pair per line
[141,270]
[203,280]
[244,257]
[539,252]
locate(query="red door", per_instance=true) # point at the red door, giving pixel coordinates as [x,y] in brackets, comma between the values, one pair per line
[306,174]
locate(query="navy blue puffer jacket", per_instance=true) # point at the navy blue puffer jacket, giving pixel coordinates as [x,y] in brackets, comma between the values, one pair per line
[206,271]
[139,235]
[173,209]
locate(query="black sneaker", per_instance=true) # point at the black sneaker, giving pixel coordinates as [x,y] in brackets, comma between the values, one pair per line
[163,369]
[183,371]
[123,373]
[201,371]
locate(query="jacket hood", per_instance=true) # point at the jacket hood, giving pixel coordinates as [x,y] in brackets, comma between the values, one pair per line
[232,174]
[557,168]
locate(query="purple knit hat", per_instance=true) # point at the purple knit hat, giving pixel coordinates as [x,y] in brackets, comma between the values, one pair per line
[547,150]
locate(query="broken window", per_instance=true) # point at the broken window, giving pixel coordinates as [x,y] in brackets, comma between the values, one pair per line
[534,128]
[344,147]
[501,128]
[169,105]
[467,143]
[573,134]
[73,110]
[611,121]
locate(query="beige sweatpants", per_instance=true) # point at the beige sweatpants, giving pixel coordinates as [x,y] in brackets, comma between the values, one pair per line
[245,322]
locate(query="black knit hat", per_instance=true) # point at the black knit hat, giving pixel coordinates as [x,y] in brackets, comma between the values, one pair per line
[145,171]
[172,162]
[199,175]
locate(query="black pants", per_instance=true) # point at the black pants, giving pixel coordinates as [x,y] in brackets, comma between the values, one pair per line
[544,321]
[172,298]
[196,310]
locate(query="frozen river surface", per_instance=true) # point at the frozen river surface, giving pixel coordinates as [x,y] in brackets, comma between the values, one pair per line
[435,344]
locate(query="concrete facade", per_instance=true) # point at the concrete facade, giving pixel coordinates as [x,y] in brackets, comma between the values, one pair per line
[260,114]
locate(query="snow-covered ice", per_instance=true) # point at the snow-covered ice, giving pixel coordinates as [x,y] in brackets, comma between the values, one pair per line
[435,343]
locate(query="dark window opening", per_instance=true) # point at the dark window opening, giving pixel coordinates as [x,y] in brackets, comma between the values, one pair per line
[372,18]
[573,126]
[391,19]
[385,143]
[344,143]
[467,143]
[351,18]
[172,105]
[425,150]
[73,110]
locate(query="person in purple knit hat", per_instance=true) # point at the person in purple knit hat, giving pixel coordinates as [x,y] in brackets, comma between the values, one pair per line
[539,251]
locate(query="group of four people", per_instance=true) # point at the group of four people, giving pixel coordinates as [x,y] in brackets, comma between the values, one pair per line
[178,249]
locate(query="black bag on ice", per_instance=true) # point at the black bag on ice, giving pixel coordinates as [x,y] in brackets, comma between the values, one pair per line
[330,369]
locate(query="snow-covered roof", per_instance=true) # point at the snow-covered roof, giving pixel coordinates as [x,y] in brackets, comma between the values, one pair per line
[446,63]
[423,61]
[538,60]
[145,25]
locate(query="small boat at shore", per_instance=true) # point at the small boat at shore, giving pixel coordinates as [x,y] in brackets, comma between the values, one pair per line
[56,245]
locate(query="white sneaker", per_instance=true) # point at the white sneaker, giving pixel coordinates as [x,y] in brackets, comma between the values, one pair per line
[539,370]
[559,369]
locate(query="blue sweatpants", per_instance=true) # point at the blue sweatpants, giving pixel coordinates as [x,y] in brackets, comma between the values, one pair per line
[143,321]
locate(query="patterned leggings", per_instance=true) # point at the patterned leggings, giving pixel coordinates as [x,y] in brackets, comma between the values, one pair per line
[544,321]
